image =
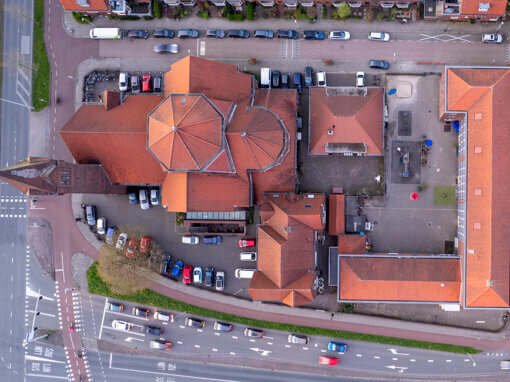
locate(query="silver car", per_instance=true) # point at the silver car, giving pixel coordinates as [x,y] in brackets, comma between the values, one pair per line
[379,36]
[166,48]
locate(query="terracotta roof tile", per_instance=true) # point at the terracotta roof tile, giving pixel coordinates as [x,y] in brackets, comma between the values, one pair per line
[174,191]
[471,7]
[349,119]
[93,6]
[381,278]
[351,244]
[113,138]
[262,288]
[336,215]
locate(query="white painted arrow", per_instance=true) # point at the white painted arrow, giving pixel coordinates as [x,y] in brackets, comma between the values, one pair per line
[401,368]
[394,351]
[129,339]
[261,351]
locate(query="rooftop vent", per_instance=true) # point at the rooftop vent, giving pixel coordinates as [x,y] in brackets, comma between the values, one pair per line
[442,284]
[483,7]
[183,100]
[478,116]
[478,149]
[287,228]
[471,251]
[308,206]
[490,282]
[330,132]
[310,196]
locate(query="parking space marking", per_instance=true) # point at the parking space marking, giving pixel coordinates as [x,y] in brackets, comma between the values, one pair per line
[127,315]
[217,334]
[123,331]
[181,326]
[213,349]
[232,353]
[179,342]
[377,357]
[234,337]
[359,355]
[197,346]
[252,340]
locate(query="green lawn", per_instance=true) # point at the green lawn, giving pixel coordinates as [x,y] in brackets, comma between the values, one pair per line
[40,64]
[444,196]
[148,297]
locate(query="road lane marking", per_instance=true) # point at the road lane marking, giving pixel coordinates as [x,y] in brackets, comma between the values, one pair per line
[216,334]
[359,355]
[213,349]
[269,343]
[412,360]
[395,359]
[234,337]
[377,357]
[232,353]
[323,351]
[448,360]
[287,346]
[430,360]
[197,346]
[179,342]
[181,326]
[251,340]
[102,321]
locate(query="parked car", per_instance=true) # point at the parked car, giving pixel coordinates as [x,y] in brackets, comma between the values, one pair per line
[289,34]
[379,36]
[504,365]
[186,274]
[298,339]
[264,34]
[313,35]
[113,307]
[190,240]
[166,48]
[379,64]
[321,78]
[90,215]
[176,271]
[101,226]
[212,240]
[360,79]
[121,325]
[285,81]
[132,247]
[165,264]
[163,317]
[197,275]
[248,256]
[298,82]
[209,277]
[308,76]
[135,85]
[340,348]
[141,312]
[163,33]
[194,322]
[144,201]
[276,76]
[238,33]
[146,85]
[187,33]
[121,240]
[156,84]
[339,35]
[331,361]
[133,198]
[490,37]
[244,243]
[110,234]
[138,33]
[153,330]
[256,333]
[216,33]
[220,280]
[154,197]
[222,326]
[145,243]
[160,344]
[123,81]
[240,273]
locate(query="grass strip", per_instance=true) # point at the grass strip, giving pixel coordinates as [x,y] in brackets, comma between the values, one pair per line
[40,64]
[148,297]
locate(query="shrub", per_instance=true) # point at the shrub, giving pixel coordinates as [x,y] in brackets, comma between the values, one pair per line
[324,12]
[130,17]
[179,218]
[328,61]
[148,18]
[370,15]
[81,18]
[235,17]
[343,11]
[250,11]
[347,308]
[380,16]
[157,9]
[253,61]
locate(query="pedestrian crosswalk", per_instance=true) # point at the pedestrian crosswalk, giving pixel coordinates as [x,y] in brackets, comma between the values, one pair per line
[13,207]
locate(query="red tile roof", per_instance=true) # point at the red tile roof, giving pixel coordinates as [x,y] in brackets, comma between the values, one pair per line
[116,139]
[483,93]
[472,7]
[352,244]
[336,215]
[346,119]
[392,279]
[93,6]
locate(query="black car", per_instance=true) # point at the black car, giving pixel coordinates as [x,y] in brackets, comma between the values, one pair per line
[138,33]
[264,34]
[308,76]
[282,33]
[141,312]
[209,277]
[313,35]
[285,81]
[238,33]
[163,33]
[216,33]
[276,79]
[187,33]
[194,322]
[165,265]
[153,330]
[298,82]
[379,64]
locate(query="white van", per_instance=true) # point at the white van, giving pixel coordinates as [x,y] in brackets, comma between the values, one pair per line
[248,256]
[105,33]
[164,317]
[265,78]
[190,240]
[244,273]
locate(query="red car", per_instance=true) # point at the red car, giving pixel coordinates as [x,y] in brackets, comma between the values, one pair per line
[243,243]
[144,244]
[132,247]
[146,83]
[186,274]
[331,361]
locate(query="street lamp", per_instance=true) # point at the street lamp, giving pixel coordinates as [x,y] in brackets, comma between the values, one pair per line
[84,19]
[499,26]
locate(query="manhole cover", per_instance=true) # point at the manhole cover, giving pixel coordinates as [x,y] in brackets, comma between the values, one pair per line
[429,223]
[447,128]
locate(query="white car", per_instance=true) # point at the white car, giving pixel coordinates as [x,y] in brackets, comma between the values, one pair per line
[321,78]
[121,240]
[101,226]
[489,37]
[123,81]
[379,36]
[144,200]
[339,35]
[190,240]
[154,197]
[360,79]
[197,275]
[121,325]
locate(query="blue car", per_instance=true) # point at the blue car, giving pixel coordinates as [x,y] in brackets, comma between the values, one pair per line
[165,264]
[177,269]
[109,235]
[212,240]
[338,347]
[133,199]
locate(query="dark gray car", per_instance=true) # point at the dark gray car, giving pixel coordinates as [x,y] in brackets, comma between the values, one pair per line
[138,33]
[163,33]
[264,34]
[187,33]
[166,48]
[379,64]
[283,33]
[216,33]
[238,33]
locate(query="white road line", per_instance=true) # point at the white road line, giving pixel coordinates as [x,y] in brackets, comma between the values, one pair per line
[234,337]
[213,349]
[269,343]
[181,326]
[287,346]
[412,360]
[102,321]
[323,351]
[47,376]
[217,334]
[251,340]
[179,342]
[232,353]
[359,355]
[430,360]
[448,360]
[197,346]
[377,357]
